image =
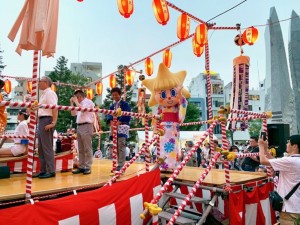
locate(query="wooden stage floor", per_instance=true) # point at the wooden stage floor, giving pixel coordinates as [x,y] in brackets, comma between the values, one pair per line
[14,187]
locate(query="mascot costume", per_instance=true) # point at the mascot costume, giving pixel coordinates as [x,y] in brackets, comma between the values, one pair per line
[167,91]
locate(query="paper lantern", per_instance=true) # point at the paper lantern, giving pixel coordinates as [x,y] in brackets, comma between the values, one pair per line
[7,86]
[53,87]
[129,77]
[197,49]
[90,93]
[125,7]
[161,11]
[250,35]
[149,66]
[201,34]
[79,0]
[99,88]
[167,58]
[183,26]
[112,81]
[29,87]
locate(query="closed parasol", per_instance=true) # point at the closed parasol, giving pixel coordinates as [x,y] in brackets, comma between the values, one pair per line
[39,19]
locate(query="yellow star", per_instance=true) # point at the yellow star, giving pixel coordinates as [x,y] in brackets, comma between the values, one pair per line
[165,80]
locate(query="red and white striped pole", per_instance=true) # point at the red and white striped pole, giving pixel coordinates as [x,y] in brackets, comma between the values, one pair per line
[155,219]
[31,127]
[265,129]
[115,143]
[147,153]
[227,175]
[209,103]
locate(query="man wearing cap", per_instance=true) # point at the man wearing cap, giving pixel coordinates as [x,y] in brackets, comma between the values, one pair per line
[46,124]
[85,121]
[289,177]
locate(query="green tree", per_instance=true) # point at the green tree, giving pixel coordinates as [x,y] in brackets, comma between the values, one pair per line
[254,127]
[192,115]
[62,74]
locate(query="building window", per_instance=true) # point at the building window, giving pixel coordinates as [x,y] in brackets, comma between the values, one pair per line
[254,97]
[250,108]
[217,89]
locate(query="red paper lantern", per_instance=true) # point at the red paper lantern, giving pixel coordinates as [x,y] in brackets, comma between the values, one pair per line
[125,7]
[250,35]
[161,11]
[167,58]
[99,88]
[7,86]
[29,87]
[79,0]
[183,26]
[90,93]
[149,66]
[53,87]
[112,81]
[129,77]
[197,49]
[201,34]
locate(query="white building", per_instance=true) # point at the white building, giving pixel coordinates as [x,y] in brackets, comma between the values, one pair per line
[91,70]
[198,90]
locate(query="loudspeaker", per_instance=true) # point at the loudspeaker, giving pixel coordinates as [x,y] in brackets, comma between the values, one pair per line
[278,135]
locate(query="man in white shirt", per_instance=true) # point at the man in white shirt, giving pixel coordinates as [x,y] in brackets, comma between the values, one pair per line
[46,124]
[85,121]
[289,177]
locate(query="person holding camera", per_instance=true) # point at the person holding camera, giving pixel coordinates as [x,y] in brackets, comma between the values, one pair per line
[85,121]
[289,177]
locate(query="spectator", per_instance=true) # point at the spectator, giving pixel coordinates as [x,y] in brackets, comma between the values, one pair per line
[46,125]
[193,160]
[85,121]
[250,163]
[127,153]
[289,177]
[153,152]
[18,148]
[206,151]
[123,125]
[131,153]
[203,163]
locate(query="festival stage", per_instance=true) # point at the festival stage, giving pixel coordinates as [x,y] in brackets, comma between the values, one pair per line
[14,187]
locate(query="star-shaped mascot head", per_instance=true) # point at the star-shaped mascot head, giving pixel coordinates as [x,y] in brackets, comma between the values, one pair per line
[166,88]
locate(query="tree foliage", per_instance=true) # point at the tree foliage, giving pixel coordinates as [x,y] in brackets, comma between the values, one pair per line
[192,115]
[62,74]
[254,127]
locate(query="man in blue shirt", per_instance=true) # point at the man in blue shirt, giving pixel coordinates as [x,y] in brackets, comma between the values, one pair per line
[123,125]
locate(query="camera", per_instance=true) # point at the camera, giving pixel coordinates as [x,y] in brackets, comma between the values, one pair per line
[263,135]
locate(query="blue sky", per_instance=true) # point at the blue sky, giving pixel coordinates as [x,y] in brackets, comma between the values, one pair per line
[105,36]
